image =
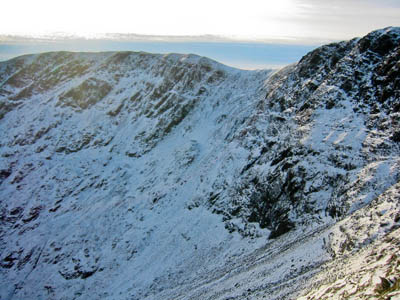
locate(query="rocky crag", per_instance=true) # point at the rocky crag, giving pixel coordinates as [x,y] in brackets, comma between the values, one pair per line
[142,176]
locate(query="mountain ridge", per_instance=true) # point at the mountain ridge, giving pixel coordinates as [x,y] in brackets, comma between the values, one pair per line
[142,176]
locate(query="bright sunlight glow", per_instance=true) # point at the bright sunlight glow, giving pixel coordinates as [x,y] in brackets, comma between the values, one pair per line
[254,19]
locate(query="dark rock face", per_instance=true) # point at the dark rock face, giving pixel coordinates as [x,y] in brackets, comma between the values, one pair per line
[361,74]
[86,94]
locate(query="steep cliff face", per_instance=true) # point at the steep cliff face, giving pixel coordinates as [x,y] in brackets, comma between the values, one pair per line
[141,176]
[106,161]
[328,130]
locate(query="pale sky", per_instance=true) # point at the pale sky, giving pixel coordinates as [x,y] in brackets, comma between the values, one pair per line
[247,19]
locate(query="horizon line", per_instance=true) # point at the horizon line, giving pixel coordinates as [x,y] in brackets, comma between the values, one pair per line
[134,37]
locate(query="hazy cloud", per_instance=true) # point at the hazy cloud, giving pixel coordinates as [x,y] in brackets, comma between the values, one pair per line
[290,20]
[340,19]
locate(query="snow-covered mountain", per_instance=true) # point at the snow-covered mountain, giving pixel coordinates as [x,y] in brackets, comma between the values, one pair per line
[128,175]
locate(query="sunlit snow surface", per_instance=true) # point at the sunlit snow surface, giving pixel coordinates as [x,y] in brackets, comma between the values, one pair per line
[125,218]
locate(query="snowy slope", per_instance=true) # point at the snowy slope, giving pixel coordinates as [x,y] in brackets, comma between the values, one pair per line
[142,176]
